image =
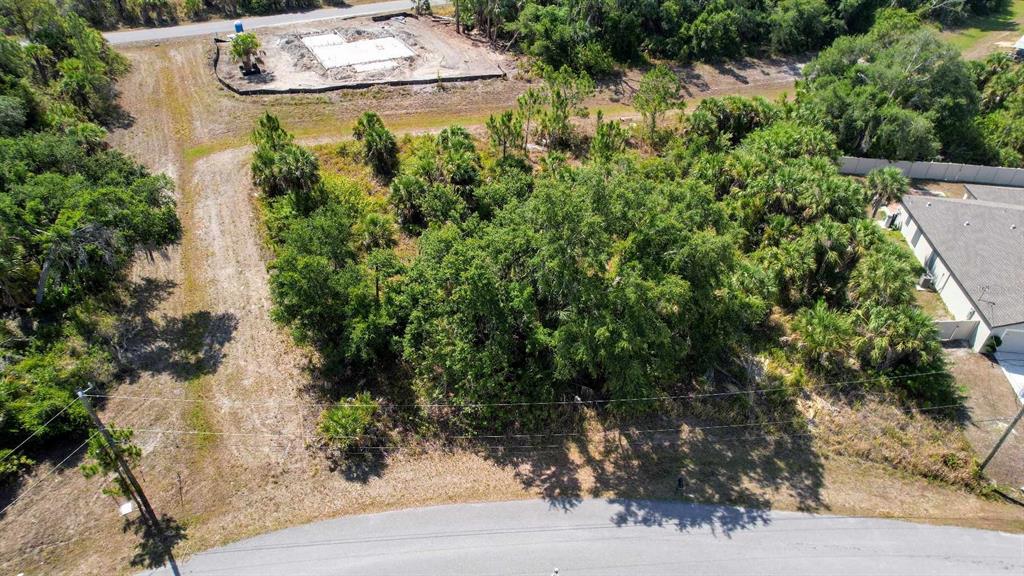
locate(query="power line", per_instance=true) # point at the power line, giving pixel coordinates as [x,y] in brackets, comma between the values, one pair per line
[514,404]
[532,435]
[50,473]
[537,434]
[52,418]
[535,448]
[492,446]
[549,448]
[128,482]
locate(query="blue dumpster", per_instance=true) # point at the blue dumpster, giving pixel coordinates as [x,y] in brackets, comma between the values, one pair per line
[238,26]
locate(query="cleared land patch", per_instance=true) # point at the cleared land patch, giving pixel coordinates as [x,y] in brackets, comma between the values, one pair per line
[362,52]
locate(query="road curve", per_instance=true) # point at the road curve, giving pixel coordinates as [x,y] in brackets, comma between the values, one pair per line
[227,26]
[606,537]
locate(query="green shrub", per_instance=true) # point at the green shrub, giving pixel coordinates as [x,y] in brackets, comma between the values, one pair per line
[348,423]
[12,115]
[12,466]
[991,344]
[194,8]
[100,461]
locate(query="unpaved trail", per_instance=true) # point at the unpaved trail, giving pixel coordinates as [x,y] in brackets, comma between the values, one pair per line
[256,389]
[217,392]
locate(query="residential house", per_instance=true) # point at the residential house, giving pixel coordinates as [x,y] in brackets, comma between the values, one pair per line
[973,251]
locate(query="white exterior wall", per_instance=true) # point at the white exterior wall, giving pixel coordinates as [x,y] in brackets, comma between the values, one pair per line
[953,296]
[980,336]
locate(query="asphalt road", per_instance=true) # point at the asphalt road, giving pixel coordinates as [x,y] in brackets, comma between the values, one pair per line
[598,537]
[227,26]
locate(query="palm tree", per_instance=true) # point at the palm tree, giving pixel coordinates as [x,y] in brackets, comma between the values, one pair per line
[887,185]
[16,272]
[298,173]
[379,146]
[243,47]
[824,336]
[891,335]
[298,168]
[883,277]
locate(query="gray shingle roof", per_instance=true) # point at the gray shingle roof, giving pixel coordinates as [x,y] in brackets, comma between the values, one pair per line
[1004,194]
[982,244]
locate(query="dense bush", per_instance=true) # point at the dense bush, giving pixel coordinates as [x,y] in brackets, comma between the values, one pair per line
[623,276]
[72,215]
[594,36]
[348,423]
[896,92]
[1001,122]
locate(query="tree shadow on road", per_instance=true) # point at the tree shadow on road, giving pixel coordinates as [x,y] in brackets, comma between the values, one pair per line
[156,543]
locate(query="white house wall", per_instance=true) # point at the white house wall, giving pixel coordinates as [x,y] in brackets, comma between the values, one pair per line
[980,336]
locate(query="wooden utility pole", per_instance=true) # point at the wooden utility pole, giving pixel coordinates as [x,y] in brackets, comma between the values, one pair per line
[1009,429]
[125,472]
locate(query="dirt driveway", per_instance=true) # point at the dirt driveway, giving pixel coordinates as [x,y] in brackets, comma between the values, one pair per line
[991,403]
[218,396]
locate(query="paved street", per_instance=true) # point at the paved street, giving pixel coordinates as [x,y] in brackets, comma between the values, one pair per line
[598,537]
[227,26]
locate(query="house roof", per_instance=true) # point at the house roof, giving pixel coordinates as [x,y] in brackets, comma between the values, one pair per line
[982,245]
[1004,194]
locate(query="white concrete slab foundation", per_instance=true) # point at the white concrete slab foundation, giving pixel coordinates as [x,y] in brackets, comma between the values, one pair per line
[320,40]
[373,66]
[332,51]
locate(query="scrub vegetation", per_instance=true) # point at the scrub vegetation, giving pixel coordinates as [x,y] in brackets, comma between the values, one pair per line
[73,213]
[900,92]
[478,288]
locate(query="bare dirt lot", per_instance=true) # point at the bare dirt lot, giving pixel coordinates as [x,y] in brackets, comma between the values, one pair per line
[423,50]
[990,403]
[219,398]
[939,188]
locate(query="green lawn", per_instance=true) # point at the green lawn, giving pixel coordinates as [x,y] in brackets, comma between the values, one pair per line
[932,304]
[979,29]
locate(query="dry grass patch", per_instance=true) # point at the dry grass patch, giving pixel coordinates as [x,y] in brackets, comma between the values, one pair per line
[908,441]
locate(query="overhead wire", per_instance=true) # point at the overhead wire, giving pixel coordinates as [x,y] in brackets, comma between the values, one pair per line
[51,472]
[394,448]
[616,431]
[533,448]
[38,430]
[689,396]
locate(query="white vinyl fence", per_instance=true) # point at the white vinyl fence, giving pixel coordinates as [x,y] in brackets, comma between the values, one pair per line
[945,171]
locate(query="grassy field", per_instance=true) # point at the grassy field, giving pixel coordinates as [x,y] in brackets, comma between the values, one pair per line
[978,35]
